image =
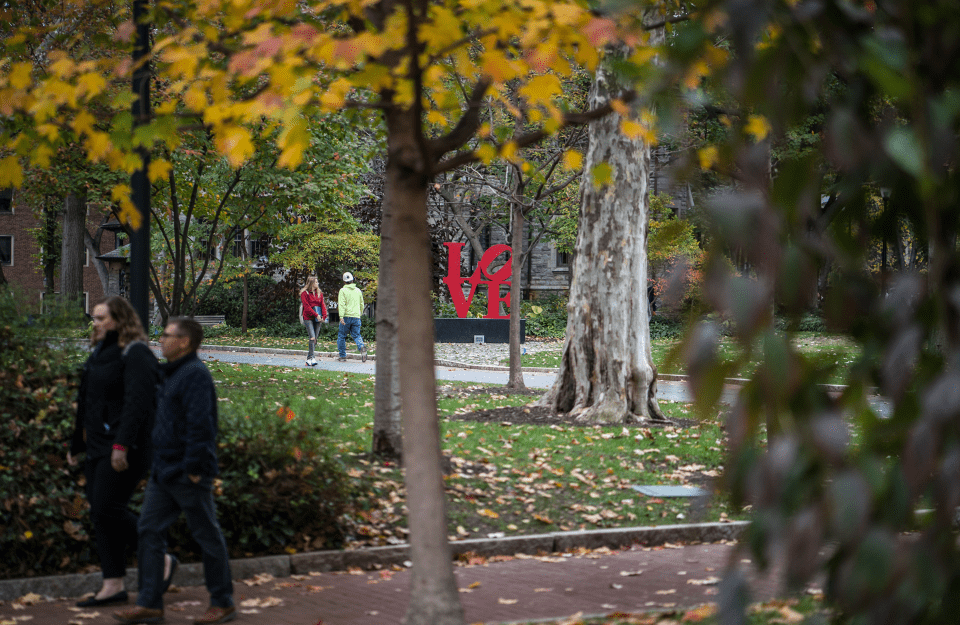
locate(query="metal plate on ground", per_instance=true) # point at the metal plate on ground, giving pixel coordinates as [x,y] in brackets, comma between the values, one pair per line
[670,491]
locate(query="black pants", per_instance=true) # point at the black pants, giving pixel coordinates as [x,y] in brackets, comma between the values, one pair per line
[114,524]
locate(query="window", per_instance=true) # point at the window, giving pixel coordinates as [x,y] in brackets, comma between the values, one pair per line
[258,248]
[6,250]
[563,259]
[238,244]
[6,201]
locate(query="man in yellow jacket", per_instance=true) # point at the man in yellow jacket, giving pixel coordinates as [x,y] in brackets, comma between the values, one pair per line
[350,305]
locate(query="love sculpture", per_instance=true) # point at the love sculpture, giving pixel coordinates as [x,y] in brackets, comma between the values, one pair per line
[482,275]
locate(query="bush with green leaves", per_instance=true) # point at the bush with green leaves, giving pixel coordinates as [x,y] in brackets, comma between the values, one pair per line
[268,302]
[41,529]
[280,486]
[546,317]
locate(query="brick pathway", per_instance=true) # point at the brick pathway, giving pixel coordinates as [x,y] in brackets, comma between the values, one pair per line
[499,591]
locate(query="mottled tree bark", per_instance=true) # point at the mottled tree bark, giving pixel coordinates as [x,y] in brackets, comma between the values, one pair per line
[607,373]
[71,258]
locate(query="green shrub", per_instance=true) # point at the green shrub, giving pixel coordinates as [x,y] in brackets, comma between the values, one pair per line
[662,327]
[268,302]
[280,486]
[546,317]
[41,529]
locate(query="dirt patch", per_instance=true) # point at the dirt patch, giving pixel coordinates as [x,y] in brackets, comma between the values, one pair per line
[537,415]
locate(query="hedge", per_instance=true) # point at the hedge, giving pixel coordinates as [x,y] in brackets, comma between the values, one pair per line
[278,486]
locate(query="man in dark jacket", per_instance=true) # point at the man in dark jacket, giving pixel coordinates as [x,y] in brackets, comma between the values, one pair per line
[184,465]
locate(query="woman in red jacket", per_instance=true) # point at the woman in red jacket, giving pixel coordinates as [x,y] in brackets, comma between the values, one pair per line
[314,312]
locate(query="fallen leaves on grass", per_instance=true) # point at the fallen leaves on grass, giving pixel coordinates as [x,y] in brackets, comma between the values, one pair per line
[700,613]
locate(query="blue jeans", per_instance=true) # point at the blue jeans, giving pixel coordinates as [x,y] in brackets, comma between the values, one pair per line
[350,325]
[313,329]
[162,505]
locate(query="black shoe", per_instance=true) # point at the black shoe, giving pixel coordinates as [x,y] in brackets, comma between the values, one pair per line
[169,580]
[120,597]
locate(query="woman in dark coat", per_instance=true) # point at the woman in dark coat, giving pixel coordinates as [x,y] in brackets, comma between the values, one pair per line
[115,412]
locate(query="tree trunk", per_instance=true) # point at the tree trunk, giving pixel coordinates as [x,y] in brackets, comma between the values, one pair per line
[93,250]
[516,243]
[387,433]
[434,598]
[607,373]
[71,263]
[51,248]
[246,304]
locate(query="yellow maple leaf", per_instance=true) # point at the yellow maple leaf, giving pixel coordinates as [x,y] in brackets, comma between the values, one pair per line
[158,170]
[438,118]
[572,160]
[487,512]
[83,122]
[40,155]
[97,144]
[708,156]
[509,151]
[486,153]
[234,142]
[294,140]
[92,84]
[758,127]
[19,76]
[11,173]
[602,174]
[498,67]
[541,89]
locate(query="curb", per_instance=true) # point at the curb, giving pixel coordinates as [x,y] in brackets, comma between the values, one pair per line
[78,584]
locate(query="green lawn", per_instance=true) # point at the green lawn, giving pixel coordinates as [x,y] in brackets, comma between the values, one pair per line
[516,479]
[831,352]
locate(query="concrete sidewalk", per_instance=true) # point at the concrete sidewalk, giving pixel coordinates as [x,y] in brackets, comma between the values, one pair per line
[497,589]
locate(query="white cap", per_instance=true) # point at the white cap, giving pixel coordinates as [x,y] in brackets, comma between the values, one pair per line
[348,277]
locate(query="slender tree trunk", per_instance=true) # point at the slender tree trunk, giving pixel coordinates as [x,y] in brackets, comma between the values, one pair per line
[71,263]
[607,373]
[93,251]
[434,598]
[387,433]
[516,242]
[51,249]
[246,304]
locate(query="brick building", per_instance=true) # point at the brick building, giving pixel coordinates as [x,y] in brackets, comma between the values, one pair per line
[20,254]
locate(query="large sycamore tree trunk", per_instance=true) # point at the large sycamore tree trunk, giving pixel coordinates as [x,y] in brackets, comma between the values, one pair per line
[434,598]
[387,433]
[606,373]
[71,263]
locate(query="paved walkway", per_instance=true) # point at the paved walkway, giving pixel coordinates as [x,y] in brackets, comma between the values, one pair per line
[667,390]
[509,590]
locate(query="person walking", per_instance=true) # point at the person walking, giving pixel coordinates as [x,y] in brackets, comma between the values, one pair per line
[350,305]
[313,313]
[115,412]
[181,480]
